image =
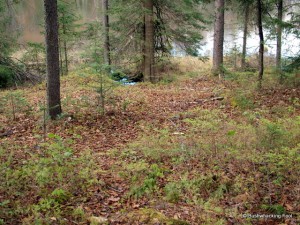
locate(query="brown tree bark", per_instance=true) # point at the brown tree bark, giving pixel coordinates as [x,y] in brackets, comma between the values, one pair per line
[279,34]
[53,78]
[218,37]
[245,34]
[261,43]
[106,46]
[149,42]
[65,49]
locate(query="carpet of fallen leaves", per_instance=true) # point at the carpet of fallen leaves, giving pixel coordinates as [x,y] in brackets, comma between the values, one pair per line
[146,104]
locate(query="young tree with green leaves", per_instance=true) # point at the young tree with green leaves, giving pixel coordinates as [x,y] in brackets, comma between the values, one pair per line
[67,19]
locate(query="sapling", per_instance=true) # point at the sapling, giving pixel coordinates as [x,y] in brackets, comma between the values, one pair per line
[104,88]
[15,103]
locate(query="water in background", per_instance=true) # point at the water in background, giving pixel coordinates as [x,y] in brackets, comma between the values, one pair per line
[30,15]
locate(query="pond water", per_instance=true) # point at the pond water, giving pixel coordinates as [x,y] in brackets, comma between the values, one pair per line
[29,15]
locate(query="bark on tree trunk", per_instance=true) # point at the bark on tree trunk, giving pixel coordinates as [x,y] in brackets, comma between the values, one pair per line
[66,57]
[106,46]
[53,78]
[279,34]
[245,34]
[65,48]
[60,58]
[149,42]
[218,37]
[261,44]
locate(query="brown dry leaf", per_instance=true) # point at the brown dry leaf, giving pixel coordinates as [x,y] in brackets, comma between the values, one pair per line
[135,206]
[241,198]
[289,207]
[114,199]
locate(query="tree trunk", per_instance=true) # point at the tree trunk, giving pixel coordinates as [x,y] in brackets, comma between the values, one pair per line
[279,34]
[65,48]
[149,42]
[218,37]
[106,46]
[53,78]
[261,43]
[60,59]
[245,34]
[66,58]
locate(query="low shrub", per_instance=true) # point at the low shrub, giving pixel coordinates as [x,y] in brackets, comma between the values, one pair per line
[6,76]
[39,187]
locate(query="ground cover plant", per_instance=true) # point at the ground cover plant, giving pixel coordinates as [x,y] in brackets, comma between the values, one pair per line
[170,112]
[196,150]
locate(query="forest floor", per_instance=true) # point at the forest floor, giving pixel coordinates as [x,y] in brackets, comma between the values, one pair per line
[197,150]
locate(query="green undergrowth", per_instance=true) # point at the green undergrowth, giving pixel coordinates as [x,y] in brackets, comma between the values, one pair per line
[219,166]
[217,163]
[152,217]
[43,185]
[271,78]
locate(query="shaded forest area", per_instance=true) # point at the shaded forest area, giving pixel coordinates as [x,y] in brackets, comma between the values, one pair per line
[104,124]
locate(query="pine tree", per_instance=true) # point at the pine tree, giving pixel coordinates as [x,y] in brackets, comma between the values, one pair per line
[279,34]
[106,45]
[7,39]
[259,5]
[175,22]
[149,74]
[53,79]
[67,20]
[218,37]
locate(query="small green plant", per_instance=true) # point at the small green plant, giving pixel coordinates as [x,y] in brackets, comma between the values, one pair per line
[272,134]
[60,195]
[51,175]
[295,101]
[103,90]
[172,192]
[150,182]
[35,56]
[242,101]
[277,209]
[167,79]
[14,103]
[103,85]
[79,213]
[125,104]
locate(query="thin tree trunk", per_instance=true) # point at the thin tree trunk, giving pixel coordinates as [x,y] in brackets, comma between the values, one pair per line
[60,59]
[66,57]
[245,34]
[149,42]
[261,44]
[218,37]
[279,34]
[106,46]
[65,47]
[53,78]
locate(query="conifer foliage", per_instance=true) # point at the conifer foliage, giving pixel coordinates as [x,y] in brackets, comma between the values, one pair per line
[175,23]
